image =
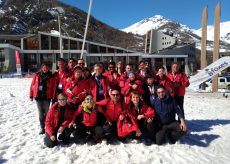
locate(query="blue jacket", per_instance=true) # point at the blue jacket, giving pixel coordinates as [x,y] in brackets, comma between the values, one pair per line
[166,110]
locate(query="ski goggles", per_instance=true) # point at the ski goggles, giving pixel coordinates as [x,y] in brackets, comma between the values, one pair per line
[89,99]
[62,100]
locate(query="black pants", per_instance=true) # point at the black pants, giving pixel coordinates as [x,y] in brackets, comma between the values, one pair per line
[110,130]
[83,131]
[172,130]
[180,102]
[43,107]
[63,137]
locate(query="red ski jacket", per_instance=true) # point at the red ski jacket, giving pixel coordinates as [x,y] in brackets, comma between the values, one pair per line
[52,118]
[165,81]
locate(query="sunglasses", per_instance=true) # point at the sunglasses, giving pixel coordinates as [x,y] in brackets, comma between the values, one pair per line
[82,63]
[62,100]
[89,99]
[115,95]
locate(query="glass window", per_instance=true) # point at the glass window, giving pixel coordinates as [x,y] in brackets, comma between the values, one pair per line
[2,61]
[31,62]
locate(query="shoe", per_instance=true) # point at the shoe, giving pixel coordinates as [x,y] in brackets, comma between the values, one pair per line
[96,139]
[42,131]
[148,142]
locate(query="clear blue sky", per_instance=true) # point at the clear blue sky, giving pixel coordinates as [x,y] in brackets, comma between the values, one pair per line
[123,13]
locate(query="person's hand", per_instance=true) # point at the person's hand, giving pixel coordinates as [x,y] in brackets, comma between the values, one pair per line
[31,99]
[149,120]
[139,117]
[134,86]
[183,126]
[60,130]
[138,133]
[114,76]
[70,125]
[110,123]
[121,117]
[52,138]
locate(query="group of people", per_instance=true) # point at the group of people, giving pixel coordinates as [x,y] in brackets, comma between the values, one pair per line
[118,103]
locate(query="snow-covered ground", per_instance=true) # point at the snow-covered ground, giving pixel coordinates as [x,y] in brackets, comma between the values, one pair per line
[208,118]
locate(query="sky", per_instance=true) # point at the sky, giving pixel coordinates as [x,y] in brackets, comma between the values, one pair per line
[123,13]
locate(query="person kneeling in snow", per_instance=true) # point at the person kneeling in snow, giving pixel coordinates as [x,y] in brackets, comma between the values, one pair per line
[87,119]
[166,108]
[57,120]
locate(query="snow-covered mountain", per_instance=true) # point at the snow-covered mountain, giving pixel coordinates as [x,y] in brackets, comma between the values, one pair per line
[224,32]
[182,32]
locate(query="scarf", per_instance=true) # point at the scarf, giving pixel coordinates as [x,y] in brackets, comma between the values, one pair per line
[85,108]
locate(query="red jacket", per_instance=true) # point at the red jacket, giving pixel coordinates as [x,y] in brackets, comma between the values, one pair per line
[35,84]
[182,80]
[105,85]
[145,110]
[111,111]
[165,81]
[89,119]
[127,89]
[148,72]
[114,83]
[76,90]
[52,118]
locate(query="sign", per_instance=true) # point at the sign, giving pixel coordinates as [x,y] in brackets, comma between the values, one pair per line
[18,62]
[210,71]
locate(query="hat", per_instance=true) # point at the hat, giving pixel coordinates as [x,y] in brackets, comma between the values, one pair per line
[78,67]
[130,72]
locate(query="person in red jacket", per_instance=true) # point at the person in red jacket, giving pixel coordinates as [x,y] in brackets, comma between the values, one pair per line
[41,89]
[113,108]
[131,84]
[163,80]
[61,76]
[180,81]
[112,76]
[124,76]
[100,84]
[143,71]
[57,120]
[144,116]
[70,67]
[88,119]
[76,89]
[120,67]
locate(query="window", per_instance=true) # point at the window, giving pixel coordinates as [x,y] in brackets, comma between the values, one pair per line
[222,80]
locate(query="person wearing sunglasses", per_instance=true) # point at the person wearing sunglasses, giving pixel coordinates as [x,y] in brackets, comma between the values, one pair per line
[113,110]
[42,91]
[81,62]
[57,120]
[144,116]
[112,76]
[131,84]
[88,119]
[77,88]
[166,110]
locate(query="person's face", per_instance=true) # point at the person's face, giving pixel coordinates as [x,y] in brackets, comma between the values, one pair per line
[71,64]
[89,101]
[128,68]
[131,76]
[62,101]
[175,68]
[45,69]
[115,96]
[81,63]
[119,65]
[142,66]
[61,65]
[150,81]
[111,68]
[78,73]
[97,70]
[147,65]
[161,72]
[86,73]
[161,93]
[135,99]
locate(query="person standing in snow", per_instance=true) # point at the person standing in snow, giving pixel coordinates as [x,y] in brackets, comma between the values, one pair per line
[179,81]
[166,109]
[58,118]
[42,91]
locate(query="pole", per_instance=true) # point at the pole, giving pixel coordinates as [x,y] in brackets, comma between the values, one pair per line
[60,38]
[86,28]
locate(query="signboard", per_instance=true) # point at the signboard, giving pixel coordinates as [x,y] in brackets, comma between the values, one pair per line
[18,62]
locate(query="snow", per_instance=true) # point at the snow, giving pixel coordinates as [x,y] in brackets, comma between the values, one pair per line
[224,32]
[207,114]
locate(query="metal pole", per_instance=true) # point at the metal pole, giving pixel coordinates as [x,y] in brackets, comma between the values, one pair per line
[60,38]
[86,28]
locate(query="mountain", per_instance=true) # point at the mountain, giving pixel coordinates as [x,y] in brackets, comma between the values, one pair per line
[182,32]
[31,16]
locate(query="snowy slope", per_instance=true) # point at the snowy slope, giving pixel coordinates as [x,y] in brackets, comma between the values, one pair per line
[208,142]
[147,24]
[224,32]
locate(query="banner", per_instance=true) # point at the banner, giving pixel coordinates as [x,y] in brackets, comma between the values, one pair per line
[18,62]
[210,71]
